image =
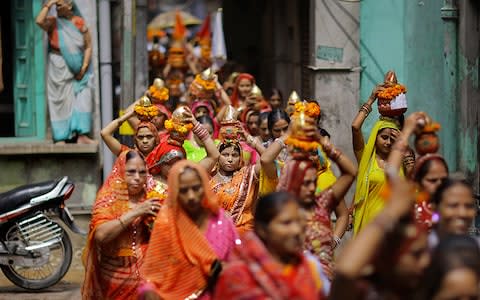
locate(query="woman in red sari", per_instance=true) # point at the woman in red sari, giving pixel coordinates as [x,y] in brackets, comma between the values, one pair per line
[269,263]
[243,87]
[118,235]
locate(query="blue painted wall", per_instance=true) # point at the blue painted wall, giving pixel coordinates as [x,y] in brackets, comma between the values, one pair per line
[409,38]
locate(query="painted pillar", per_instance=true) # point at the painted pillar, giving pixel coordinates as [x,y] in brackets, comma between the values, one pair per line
[449,14]
[141,54]
[127,64]
[106,77]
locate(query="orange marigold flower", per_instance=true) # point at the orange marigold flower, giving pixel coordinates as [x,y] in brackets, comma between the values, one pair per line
[181,128]
[304,145]
[158,94]
[431,127]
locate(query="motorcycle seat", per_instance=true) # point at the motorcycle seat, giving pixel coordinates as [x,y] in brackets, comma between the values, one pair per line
[21,195]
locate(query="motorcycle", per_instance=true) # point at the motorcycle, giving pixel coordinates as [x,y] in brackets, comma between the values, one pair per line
[35,250]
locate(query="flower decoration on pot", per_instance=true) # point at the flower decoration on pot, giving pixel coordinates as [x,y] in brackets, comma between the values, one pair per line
[311,109]
[426,140]
[391,99]
[230,131]
[145,110]
[177,123]
[149,220]
[204,85]
[158,92]
[303,132]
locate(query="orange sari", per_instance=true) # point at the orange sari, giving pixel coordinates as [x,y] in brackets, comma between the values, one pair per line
[112,270]
[237,196]
[179,259]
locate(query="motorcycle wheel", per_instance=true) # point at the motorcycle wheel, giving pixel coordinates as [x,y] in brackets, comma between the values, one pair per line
[41,277]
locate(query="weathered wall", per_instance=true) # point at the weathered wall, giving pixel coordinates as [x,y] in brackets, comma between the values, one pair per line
[82,168]
[469,92]
[335,68]
[433,47]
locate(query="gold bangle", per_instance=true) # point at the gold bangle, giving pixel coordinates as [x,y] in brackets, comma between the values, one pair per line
[124,226]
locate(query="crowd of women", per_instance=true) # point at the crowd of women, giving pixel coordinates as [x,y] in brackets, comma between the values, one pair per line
[227,194]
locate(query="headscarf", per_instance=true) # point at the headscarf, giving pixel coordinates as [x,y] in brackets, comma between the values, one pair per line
[253,273]
[111,202]
[423,159]
[368,155]
[151,127]
[163,109]
[235,94]
[179,258]
[205,103]
[165,152]
[292,176]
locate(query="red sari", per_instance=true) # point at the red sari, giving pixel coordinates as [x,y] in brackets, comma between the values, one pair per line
[253,274]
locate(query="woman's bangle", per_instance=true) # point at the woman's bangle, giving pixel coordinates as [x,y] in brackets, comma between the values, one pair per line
[336,241]
[250,140]
[366,108]
[124,226]
[409,159]
[281,142]
[332,153]
[200,131]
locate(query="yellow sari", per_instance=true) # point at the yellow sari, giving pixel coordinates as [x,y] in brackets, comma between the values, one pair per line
[370,180]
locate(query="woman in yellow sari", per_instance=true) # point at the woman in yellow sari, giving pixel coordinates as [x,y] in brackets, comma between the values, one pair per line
[372,158]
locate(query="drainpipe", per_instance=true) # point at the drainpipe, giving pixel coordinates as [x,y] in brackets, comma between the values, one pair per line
[449,14]
[105,77]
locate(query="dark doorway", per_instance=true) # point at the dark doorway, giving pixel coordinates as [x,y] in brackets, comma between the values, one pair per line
[7,117]
[271,40]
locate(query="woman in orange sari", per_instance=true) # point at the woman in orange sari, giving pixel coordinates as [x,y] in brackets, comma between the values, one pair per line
[191,236]
[237,185]
[119,232]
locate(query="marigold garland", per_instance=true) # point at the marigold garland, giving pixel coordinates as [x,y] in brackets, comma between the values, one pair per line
[430,128]
[158,94]
[304,145]
[155,194]
[150,220]
[146,111]
[206,84]
[180,128]
[311,109]
[390,92]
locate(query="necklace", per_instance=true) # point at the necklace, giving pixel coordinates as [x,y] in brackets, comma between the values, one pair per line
[224,178]
[134,250]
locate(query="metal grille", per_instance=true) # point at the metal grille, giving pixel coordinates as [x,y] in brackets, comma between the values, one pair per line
[39,231]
